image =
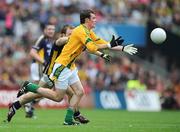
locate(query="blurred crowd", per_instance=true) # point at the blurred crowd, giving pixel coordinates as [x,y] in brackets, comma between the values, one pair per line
[22,21]
[166,13]
[14,13]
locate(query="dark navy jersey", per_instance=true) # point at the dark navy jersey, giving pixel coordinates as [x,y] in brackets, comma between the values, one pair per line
[43,45]
[55,52]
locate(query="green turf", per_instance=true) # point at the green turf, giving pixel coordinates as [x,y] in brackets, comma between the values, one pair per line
[101,121]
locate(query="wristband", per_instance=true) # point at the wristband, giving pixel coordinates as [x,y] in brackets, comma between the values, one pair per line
[109,45]
[102,55]
[123,48]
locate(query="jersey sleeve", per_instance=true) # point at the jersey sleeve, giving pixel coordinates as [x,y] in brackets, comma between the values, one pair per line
[87,40]
[38,45]
[97,39]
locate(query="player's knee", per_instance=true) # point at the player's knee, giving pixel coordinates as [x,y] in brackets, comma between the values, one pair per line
[58,99]
[80,93]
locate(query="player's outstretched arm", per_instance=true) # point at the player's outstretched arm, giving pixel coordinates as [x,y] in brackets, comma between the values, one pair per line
[116,44]
[113,43]
[61,41]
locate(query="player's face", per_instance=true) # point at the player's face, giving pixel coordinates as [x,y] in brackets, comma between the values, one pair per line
[68,31]
[92,21]
[49,31]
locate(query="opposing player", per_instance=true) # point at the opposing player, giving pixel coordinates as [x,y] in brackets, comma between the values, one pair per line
[64,72]
[40,54]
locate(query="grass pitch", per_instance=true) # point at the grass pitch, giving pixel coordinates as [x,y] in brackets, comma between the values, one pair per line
[49,120]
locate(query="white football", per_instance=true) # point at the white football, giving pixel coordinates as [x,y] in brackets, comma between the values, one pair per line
[158,35]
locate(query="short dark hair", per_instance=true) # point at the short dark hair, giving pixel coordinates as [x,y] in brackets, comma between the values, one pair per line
[85,14]
[48,24]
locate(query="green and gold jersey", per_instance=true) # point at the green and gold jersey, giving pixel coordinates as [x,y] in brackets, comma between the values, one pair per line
[80,39]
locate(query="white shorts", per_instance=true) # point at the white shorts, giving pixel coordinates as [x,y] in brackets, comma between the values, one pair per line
[65,78]
[36,71]
[47,81]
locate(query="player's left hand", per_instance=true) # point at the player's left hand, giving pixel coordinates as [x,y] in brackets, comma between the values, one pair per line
[106,57]
[116,41]
[130,49]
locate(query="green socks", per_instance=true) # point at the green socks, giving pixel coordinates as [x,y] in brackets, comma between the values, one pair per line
[69,115]
[32,87]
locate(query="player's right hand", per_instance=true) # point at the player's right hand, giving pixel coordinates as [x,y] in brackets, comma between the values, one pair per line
[115,42]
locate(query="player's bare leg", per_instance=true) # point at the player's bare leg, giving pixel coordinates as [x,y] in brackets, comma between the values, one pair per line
[79,91]
[77,115]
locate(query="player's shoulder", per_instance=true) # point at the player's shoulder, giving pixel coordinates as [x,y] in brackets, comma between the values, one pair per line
[39,40]
[78,30]
[41,37]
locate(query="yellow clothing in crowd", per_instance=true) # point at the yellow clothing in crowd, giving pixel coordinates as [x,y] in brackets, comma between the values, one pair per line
[136,85]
